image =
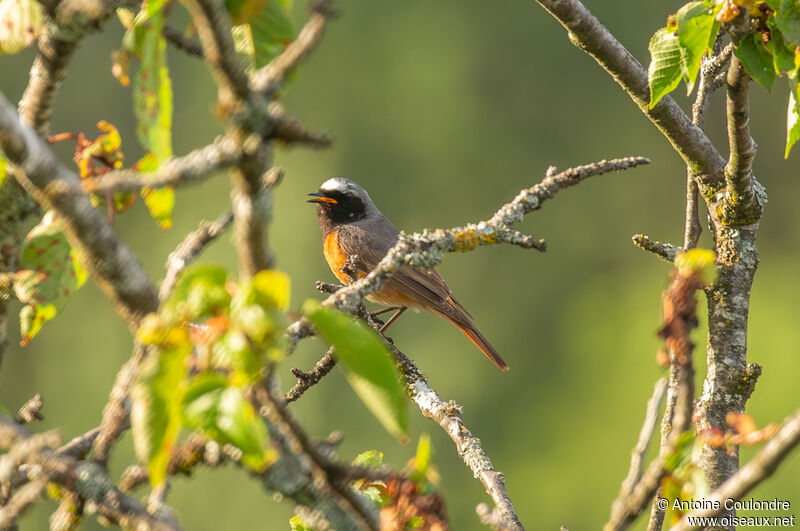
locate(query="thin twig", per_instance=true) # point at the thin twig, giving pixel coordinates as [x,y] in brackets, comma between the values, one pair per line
[645,435]
[188,250]
[177,38]
[759,468]
[306,380]
[269,79]
[665,251]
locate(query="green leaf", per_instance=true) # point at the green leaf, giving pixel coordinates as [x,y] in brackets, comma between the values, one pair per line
[21,22]
[370,458]
[201,402]
[259,305]
[782,57]
[226,416]
[695,25]
[756,60]
[156,403]
[422,460]
[793,119]
[200,292]
[152,92]
[3,172]
[369,368]
[787,18]
[296,524]
[702,261]
[665,70]
[241,427]
[49,272]
[267,34]
[233,351]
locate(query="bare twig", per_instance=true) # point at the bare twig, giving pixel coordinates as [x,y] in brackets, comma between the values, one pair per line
[191,246]
[665,251]
[177,38]
[588,34]
[306,380]
[759,468]
[645,435]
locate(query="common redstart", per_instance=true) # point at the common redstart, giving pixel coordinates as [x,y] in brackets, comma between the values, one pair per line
[351,224]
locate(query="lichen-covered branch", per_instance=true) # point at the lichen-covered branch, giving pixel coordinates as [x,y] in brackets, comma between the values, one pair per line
[589,34]
[665,251]
[86,479]
[759,468]
[189,169]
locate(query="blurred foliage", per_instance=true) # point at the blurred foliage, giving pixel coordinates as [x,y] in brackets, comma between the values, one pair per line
[443,111]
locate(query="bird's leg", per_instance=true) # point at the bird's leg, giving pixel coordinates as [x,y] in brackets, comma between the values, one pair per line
[389,309]
[392,318]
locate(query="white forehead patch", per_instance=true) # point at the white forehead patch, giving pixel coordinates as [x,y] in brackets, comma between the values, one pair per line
[337,184]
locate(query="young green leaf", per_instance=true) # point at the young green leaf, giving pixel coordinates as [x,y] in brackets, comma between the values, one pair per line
[695,25]
[3,172]
[665,69]
[257,307]
[782,57]
[156,403]
[200,292]
[370,370]
[234,351]
[21,22]
[266,34]
[49,272]
[756,60]
[793,118]
[238,422]
[152,98]
[787,18]
[201,402]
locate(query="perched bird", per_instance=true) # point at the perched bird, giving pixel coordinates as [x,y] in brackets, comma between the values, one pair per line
[351,224]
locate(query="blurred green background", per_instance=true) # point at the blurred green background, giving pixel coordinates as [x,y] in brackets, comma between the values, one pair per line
[444,111]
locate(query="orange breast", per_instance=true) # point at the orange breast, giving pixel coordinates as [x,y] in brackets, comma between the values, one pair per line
[336,258]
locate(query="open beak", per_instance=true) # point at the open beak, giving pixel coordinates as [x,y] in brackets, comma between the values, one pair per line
[320,198]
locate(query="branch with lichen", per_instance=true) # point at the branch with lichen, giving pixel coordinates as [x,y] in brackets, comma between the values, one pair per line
[86,479]
[665,251]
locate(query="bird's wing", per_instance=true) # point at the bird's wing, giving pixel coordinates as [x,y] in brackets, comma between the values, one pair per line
[427,288]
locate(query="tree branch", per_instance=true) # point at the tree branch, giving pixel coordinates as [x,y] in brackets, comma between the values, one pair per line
[588,34]
[86,479]
[181,42]
[665,251]
[192,168]
[306,380]
[111,264]
[759,468]
[741,205]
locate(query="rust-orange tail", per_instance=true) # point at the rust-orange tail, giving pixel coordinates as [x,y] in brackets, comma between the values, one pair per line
[482,343]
